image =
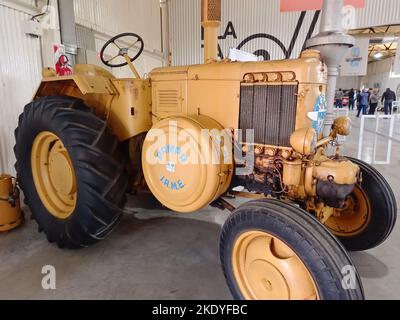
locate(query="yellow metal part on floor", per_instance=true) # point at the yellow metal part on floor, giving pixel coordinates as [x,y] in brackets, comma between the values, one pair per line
[10,209]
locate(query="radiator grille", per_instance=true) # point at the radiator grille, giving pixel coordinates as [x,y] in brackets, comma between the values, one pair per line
[270,110]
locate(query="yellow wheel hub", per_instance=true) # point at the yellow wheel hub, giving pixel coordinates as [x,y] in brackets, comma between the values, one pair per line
[54,175]
[354,218]
[265,268]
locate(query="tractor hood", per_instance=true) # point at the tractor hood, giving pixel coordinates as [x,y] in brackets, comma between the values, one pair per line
[222,91]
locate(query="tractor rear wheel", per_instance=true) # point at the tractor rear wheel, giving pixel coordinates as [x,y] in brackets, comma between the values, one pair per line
[370,214]
[71,171]
[272,250]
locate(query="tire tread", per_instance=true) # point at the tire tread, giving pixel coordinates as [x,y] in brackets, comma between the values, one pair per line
[96,156]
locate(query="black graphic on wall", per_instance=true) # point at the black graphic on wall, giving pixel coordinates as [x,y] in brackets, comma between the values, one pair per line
[263,52]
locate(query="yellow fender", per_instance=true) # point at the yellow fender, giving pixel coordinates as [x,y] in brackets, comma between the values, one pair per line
[125,104]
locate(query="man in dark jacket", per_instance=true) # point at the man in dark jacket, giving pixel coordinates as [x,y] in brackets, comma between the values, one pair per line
[351,99]
[339,99]
[358,99]
[364,99]
[388,97]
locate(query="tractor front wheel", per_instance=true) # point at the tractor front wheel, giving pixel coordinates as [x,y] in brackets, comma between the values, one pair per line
[70,170]
[370,213]
[272,250]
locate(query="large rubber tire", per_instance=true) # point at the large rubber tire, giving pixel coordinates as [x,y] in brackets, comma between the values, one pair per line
[319,250]
[383,211]
[98,164]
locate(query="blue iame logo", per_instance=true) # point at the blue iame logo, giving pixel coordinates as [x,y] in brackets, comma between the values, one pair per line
[172,185]
[171,167]
[318,116]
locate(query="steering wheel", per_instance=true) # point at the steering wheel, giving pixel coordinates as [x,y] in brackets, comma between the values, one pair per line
[123,50]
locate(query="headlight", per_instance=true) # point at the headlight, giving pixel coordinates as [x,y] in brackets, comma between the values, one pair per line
[304,141]
[342,126]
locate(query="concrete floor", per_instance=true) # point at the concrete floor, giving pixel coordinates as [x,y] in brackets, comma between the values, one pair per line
[167,256]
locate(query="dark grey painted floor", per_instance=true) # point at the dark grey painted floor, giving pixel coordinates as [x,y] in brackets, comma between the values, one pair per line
[155,259]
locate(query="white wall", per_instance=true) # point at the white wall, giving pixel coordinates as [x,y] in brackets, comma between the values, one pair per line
[20,74]
[108,18]
[251,17]
[379,76]
[117,16]
[380,73]
[348,82]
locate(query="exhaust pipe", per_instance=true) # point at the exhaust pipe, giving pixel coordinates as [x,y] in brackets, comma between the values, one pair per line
[332,42]
[211,22]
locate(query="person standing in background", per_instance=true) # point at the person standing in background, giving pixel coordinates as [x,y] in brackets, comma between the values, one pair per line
[373,102]
[339,99]
[358,100]
[364,100]
[388,98]
[351,99]
[370,91]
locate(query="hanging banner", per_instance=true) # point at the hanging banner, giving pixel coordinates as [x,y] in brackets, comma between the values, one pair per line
[301,5]
[396,66]
[355,62]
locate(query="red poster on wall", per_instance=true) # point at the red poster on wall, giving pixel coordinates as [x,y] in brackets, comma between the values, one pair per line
[61,60]
[301,5]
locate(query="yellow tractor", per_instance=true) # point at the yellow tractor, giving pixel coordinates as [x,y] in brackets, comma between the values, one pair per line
[202,135]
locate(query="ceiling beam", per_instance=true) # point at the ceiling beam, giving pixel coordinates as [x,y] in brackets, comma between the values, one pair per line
[376,35]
